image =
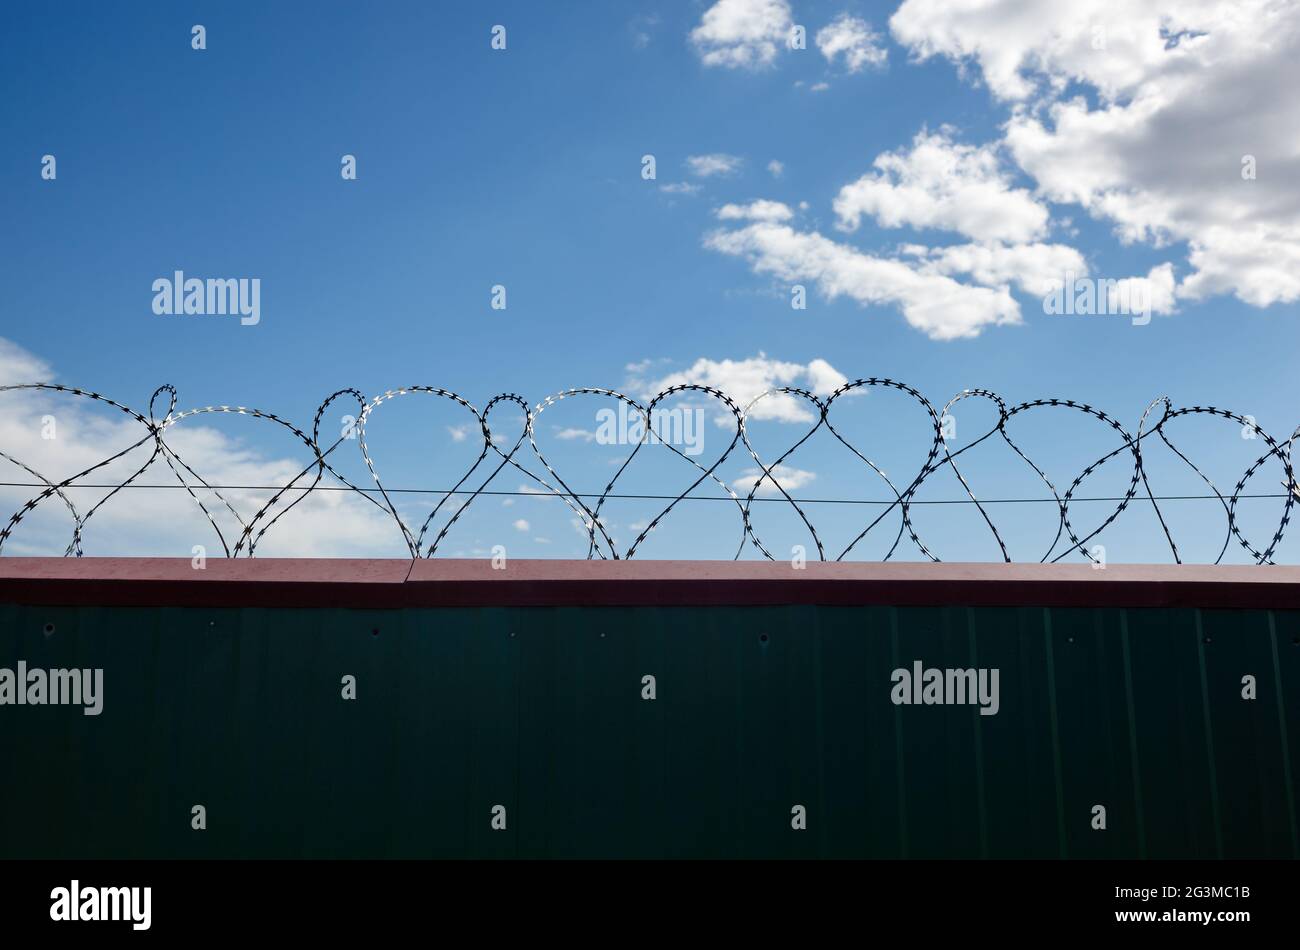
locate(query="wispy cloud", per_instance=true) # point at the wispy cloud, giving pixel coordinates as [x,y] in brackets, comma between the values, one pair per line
[790,479]
[708,166]
[744,380]
[681,188]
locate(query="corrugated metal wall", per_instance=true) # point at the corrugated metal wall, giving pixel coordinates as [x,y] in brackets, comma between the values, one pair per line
[758,710]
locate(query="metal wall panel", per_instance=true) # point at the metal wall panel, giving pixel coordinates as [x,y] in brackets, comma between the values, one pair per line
[758,709]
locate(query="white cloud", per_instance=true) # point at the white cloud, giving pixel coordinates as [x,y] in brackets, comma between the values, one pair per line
[521,525]
[946,185]
[18,366]
[1185,90]
[933,303]
[744,380]
[460,433]
[1024,47]
[760,210]
[791,479]
[852,38]
[1033,268]
[569,435]
[776,168]
[719,163]
[1156,288]
[937,184]
[743,34]
[1260,264]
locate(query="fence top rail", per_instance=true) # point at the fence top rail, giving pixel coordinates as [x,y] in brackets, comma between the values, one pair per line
[397,583]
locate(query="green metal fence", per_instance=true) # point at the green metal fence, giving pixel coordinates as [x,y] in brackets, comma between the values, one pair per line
[758,712]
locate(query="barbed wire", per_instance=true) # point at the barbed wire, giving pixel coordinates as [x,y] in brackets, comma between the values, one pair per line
[312,477]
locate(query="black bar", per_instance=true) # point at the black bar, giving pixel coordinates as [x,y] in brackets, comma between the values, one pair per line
[481,902]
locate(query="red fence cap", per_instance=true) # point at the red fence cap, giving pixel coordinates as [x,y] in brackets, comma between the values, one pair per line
[395,583]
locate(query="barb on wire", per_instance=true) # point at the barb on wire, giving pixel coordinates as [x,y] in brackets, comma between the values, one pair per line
[502,450]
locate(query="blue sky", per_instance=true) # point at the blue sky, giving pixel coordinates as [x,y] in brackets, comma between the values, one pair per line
[523,167]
